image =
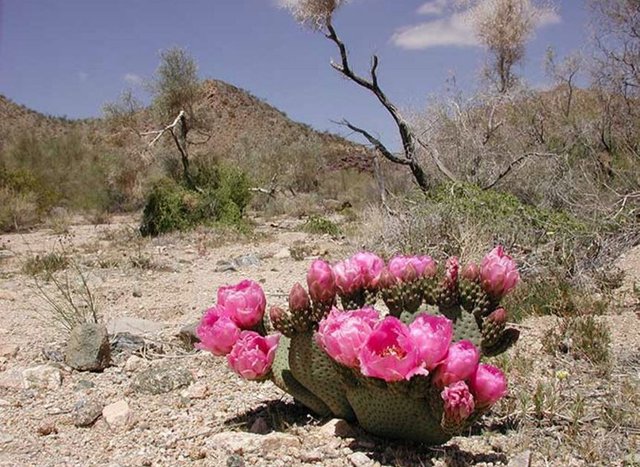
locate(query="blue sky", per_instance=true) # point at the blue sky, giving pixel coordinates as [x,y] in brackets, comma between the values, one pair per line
[70,57]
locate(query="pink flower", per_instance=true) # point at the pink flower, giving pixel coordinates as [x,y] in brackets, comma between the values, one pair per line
[387,279]
[458,403]
[321,282]
[371,266]
[253,355]
[460,364]
[298,298]
[471,272]
[498,273]
[390,353]
[349,276]
[488,385]
[244,302]
[425,266]
[432,336]
[408,268]
[342,334]
[452,267]
[217,332]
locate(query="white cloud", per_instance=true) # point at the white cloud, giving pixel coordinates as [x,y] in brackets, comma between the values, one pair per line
[455,28]
[83,76]
[434,7]
[133,79]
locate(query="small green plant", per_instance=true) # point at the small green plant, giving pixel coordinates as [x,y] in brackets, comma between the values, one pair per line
[45,264]
[583,336]
[321,225]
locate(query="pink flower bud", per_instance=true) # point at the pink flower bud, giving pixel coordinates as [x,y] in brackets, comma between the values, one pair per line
[451,273]
[276,314]
[461,363]
[432,336]
[387,280]
[217,332]
[389,353]
[298,299]
[321,282]
[488,385]
[342,333]
[371,266]
[425,265]
[409,268]
[498,317]
[244,302]
[471,272]
[252,355]
[458,403]
[498,273]
[349,277]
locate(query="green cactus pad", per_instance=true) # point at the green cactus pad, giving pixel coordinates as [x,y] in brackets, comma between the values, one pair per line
[312,367]
[283,378]
[392,414]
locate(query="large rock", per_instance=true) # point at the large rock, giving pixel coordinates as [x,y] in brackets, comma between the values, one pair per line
[161,379]
[118,415]
[88,348]
[42,377]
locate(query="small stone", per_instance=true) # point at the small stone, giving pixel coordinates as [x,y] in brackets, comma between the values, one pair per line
[118,415]
[52,354]
[360,459]
[197,454]
[86,412]
[11,379]
[88,348]
[197,390]
[239,442]
[338,427]
[235,461]
[4,403]
[134,363]
[259,426]
[125,342]
[522,459]
[137,294]
[283,253]
[5,438]
[161,380]
[42,377]
[8,350]
[311,456]
[188,336]
[47,428]
[84,384]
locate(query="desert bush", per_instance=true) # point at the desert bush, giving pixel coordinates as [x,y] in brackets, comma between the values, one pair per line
[321,225]
[18,210]
[583,336]
[46,264]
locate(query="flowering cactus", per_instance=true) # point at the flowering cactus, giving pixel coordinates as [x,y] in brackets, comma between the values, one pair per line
[412,372]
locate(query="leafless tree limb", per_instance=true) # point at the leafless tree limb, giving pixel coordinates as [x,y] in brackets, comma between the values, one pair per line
[514,163]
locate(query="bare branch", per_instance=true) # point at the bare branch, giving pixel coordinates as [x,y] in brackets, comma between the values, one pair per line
[514,164]
[375,142]
[159,133]
[436,159]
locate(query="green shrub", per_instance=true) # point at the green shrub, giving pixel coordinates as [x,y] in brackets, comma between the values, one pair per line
[171,206]
[48,264]
[321,225]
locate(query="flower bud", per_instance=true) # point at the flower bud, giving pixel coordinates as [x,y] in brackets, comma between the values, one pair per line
[321,282]
[298,299]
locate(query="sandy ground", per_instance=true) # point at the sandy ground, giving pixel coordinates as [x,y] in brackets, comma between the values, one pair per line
[170,281]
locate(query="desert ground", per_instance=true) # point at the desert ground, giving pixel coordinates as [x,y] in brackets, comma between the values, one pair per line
[171,405]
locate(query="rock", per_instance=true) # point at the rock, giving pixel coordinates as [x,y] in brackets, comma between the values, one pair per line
[160,380]
[5,438]
[4,403]
[225,266]
[283,253]
[196,391]
[118,415]
[521,460]
[125,342]
[52,354]
[188,336]
[247,260]
[259,426]
[47,428]
[4,254]
[310,457]
[239,442]
[86,411]
[8,350]
[235,461]
[11,379]
[135,326]
[136,293]
[42,377]
[360,459]
[338,427]
[135,363]
[84,384]
[88,348]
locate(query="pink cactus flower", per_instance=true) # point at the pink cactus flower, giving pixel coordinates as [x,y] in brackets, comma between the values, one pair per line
[498,273]
[488,385]
[387,279]
[244,302]
[217,332]
[371,266]
[389,353]
[253,354]
[458,402]
[409,268]
[432,336]
[321,282]
[461,363]
[425,266]
[299,298]
[349,277]
[342,333]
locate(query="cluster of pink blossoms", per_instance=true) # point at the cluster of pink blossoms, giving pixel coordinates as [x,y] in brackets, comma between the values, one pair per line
[393,351]
[228,329]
